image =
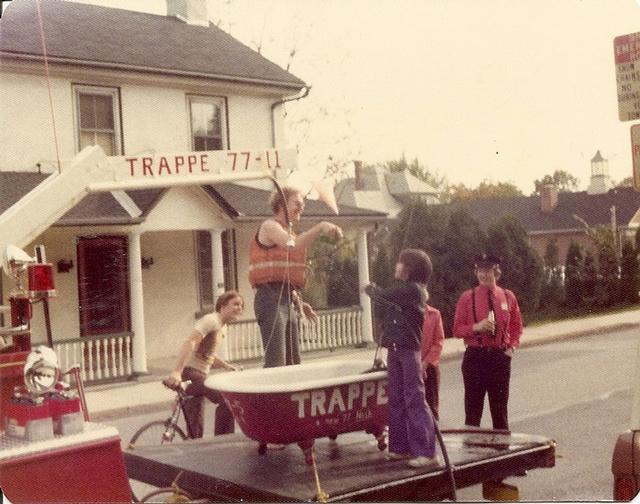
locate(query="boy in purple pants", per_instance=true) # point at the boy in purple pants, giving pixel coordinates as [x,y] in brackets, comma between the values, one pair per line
[411,427]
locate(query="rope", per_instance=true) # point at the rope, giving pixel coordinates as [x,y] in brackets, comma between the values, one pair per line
[46,69]
[321,495]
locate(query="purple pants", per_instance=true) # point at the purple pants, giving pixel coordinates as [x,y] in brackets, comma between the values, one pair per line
[411,427]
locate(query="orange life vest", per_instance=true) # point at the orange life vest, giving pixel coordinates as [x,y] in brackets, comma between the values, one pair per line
[276,264]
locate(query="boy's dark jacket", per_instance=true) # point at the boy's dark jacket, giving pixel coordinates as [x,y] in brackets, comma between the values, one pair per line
[404,303]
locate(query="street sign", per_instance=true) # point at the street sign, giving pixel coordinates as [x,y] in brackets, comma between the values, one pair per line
[635,155]
[626,50]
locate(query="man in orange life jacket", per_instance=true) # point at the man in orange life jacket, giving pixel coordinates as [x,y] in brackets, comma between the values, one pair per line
[488,318]
[277,272]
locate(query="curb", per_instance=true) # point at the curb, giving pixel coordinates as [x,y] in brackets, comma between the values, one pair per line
[138,409]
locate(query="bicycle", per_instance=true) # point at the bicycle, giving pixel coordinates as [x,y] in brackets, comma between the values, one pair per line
[164,431]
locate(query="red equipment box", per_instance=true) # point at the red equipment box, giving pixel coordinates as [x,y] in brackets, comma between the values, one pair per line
[66,413]
[28,421]
[11,376]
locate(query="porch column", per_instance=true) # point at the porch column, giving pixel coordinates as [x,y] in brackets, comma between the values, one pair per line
[139,344]
[363,279]
[217,278]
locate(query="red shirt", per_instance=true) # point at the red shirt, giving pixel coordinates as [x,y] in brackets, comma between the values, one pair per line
[507,314]
[432,336]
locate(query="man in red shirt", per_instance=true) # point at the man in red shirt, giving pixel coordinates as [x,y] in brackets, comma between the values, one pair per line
[488,318]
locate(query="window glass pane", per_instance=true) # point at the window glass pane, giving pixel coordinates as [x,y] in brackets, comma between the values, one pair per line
[103,111]
[214,144]
[206,125]
[201,114]
[87,117]
[86,139]
[200,144]
[106,141]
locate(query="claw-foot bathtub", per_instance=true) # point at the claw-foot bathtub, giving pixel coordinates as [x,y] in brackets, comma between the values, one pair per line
[296,404]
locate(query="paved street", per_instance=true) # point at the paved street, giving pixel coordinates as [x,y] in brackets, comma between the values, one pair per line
[575,391]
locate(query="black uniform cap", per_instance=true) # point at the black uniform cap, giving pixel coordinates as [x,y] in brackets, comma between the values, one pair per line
[486,261]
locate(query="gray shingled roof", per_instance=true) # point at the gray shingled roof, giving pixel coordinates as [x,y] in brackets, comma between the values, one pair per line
[594,209]
[102,208]
[82,34]
[239,202]
[247,202]
[14,185]
[98,208]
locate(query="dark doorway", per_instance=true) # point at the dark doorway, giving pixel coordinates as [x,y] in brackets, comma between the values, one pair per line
[103,286]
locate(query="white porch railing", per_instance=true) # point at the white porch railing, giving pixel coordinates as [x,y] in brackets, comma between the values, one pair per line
[100,358]
[334,328]
[109,357]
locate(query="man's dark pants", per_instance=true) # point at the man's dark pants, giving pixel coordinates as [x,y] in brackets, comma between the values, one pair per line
[486,371]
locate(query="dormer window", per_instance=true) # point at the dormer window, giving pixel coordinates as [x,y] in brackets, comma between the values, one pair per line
[98,118]
[208,123]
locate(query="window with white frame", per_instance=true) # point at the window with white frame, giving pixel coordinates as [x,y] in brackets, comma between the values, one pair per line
[208,123]
[98,118]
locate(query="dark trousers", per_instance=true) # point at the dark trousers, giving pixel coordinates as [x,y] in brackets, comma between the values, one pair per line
[193,408]
[486,371]
[432,389]
[411,427]
[278,322]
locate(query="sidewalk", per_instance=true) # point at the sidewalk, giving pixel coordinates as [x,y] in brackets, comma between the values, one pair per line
[147,394]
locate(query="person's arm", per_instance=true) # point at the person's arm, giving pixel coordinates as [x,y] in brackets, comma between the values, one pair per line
[462,326]
[187,348]
[391,295]
[515,321]
[221,363]
[435,340]
[272,233]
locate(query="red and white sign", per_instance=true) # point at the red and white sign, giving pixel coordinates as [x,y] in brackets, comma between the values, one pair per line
[200,167]
[635,155]
[627,59]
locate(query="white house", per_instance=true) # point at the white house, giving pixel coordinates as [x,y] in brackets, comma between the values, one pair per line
[134,268]
[376,188]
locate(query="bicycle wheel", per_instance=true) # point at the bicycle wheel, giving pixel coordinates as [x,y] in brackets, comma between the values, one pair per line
[153,433]
[168,494]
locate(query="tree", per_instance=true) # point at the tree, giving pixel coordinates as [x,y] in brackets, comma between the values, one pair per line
[625,182]
[453,263]
[522,267]
[334,281]
[486,189]
[431,177]
[551,295]
[589,275]
[629,273]
[607,293]
[451,238]
[564,181]
[573,270]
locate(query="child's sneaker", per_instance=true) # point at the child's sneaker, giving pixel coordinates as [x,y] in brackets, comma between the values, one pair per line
[424,461]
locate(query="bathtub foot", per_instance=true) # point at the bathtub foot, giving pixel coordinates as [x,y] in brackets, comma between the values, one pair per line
[307,449]
[381,436]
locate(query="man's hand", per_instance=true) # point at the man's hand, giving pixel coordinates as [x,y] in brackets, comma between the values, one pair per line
[331,229]
[309,312]
[171,382]
[484,326]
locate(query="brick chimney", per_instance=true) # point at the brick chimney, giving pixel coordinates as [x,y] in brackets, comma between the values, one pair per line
[193,12]
[548,198]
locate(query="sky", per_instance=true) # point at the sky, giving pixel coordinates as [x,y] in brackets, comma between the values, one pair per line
[498,90]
